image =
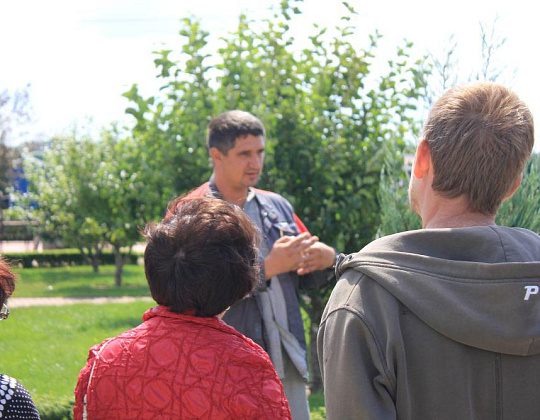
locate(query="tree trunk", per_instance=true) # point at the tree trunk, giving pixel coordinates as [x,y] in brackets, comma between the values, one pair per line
[119,263]
[91,257]
[95,263]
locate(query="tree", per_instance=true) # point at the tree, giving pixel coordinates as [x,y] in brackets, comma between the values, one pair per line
[63,186]
[170,128]
[90,194]
[125,195]
[327,117]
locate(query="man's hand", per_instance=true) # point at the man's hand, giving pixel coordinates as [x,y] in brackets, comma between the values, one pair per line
[287,254]
[317,257]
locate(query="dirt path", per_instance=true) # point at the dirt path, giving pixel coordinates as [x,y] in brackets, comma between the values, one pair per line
[58,301]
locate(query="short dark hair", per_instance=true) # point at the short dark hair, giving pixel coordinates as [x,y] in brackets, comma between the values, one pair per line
[224,129]
[7,281]
[202,258]
[480,136]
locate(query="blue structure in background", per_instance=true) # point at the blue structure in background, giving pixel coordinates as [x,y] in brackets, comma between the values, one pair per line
[21,183]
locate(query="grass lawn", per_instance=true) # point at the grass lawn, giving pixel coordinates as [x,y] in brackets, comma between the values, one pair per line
[316,406]
[46,347]
[80,281]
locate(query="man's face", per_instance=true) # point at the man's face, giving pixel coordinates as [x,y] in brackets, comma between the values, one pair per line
[241,167]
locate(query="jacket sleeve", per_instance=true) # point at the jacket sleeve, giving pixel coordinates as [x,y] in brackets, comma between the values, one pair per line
[268,407]
[268,400]
[355,377]
[82,383]
[316,279]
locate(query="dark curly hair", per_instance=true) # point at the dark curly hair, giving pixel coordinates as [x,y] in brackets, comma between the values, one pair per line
[202,258]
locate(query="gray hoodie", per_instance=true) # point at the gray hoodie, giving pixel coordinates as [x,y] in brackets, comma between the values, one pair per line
[435,324]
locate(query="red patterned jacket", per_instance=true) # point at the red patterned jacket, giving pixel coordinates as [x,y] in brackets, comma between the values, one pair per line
[176,366]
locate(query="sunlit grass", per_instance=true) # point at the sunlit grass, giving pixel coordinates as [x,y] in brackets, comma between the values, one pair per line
[46,347]
[316,406]
[80,281]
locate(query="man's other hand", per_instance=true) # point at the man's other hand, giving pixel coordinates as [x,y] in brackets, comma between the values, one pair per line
[317,257]
[287,254]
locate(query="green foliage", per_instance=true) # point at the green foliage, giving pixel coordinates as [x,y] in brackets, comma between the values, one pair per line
[170,129]
[7,174]
[396,214]
[59,258]
[121,191]
[18,231]
[14,214]
[316,406]
[91,193]
[325,114]
[523,208]
[66,190]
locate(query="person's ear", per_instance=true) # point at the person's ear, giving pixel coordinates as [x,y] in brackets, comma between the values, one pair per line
[514,188]
[422,160]
[215,154]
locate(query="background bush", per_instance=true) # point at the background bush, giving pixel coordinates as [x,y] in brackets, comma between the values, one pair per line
[62,257]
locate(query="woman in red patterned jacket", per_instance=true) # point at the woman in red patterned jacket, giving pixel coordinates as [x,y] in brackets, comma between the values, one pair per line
[183,362]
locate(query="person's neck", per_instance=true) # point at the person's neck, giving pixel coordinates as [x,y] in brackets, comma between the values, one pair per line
[229,194]
[459,220]
[453,213]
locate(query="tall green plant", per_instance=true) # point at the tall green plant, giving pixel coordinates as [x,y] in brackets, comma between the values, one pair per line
[170,127]
[523,208]
[396,214]
[520,210]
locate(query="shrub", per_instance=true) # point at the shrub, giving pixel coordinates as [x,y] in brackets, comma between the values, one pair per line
[17,231]
[62,257]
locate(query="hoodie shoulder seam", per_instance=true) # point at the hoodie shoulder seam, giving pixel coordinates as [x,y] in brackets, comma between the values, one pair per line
[501,242]
[363,319]
[461,279]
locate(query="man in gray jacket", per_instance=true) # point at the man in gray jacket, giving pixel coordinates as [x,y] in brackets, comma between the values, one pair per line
[290,258]
[444,322]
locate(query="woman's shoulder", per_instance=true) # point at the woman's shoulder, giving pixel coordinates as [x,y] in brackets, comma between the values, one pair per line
[15,400]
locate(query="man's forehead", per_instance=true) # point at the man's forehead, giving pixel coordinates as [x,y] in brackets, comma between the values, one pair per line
[249,142]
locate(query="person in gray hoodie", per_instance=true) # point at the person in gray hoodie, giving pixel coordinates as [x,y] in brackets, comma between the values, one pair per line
[444,322]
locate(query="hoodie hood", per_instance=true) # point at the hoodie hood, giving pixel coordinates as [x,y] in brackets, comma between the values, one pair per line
[479,286]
